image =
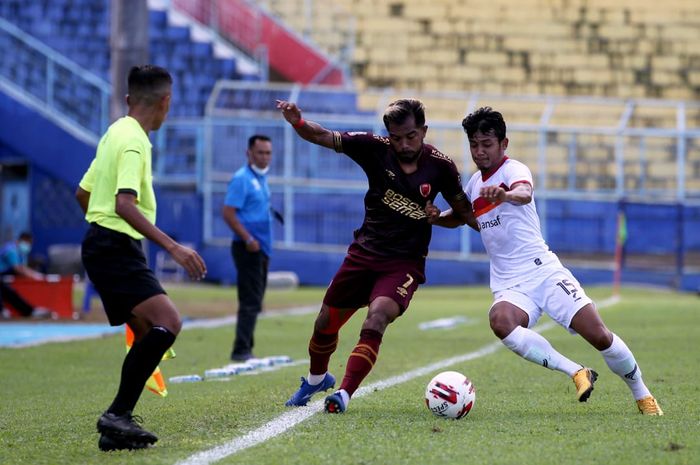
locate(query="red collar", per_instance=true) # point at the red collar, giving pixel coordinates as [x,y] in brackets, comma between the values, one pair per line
[489,173]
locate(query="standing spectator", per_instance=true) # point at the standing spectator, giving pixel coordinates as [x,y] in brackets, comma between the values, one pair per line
[14,256]
[247,212]
[116,194]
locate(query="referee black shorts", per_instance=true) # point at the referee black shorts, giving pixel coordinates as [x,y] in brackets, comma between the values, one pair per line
[117,267]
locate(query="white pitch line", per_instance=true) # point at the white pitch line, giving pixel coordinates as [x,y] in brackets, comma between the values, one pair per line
[295,416]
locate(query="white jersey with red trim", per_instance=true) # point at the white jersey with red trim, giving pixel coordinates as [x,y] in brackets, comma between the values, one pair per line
[511,233]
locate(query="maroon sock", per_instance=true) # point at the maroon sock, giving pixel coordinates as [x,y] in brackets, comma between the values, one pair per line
[321,347]
[361,360]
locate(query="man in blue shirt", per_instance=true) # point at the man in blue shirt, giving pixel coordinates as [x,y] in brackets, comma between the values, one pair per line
[13,261]
[247,212]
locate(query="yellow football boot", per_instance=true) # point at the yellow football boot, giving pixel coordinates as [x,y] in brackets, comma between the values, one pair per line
[584,379]
[649,406]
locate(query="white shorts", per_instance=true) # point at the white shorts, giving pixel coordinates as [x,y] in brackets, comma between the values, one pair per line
[552,290]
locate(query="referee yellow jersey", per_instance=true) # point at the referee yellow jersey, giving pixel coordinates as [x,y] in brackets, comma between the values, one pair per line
[122,164]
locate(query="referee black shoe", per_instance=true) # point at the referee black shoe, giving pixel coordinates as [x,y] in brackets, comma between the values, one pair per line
[108,443]
[124,427]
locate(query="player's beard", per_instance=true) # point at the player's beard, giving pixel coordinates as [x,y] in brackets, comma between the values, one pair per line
[409,157]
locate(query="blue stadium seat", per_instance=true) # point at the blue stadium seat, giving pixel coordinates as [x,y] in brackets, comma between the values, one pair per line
[157,19]
[177,33]
[80,30]
[202,49]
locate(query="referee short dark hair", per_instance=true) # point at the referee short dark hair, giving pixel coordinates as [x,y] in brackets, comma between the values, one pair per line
[148,84]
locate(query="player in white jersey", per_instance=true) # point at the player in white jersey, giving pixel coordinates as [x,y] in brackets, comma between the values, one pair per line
[527,279]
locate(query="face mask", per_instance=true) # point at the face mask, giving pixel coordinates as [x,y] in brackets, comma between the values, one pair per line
[24,248]
[260,171]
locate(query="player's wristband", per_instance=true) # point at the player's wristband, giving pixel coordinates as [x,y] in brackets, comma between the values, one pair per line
[299,123]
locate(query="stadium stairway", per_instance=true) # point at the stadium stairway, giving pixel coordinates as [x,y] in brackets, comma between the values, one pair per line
[79,30]
[257,32]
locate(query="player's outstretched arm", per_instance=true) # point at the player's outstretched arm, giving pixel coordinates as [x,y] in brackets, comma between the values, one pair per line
[308,130]
[519,194]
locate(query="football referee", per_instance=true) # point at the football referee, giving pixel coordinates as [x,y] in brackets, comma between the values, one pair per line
[116,194]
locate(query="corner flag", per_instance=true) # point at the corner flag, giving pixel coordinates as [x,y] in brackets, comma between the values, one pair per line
[620,239]
[155,383]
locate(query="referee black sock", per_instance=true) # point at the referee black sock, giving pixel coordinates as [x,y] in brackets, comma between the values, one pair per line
[139,364]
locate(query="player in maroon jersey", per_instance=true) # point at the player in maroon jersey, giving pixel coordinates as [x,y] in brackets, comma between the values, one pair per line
[386,262]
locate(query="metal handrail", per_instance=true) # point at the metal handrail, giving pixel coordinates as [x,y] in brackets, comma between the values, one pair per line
[53,59]
[56,57]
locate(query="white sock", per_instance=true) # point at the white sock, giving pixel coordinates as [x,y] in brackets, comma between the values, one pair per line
[345,396]
[315,379]
[621,361]
[535,348]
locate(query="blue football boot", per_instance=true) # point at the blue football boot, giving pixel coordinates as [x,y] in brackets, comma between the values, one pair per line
[306,390]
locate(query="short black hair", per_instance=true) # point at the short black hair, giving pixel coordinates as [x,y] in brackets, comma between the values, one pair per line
[148,84]
[399,110]
[485,120]
[25,236]
[255,137]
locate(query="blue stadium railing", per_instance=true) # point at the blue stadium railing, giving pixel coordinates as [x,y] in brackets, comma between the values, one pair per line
[59,88]
[80,30]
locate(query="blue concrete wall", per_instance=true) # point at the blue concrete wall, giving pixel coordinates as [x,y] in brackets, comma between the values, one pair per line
[42,143]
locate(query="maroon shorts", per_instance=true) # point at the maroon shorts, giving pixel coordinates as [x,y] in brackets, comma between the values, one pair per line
[363,277]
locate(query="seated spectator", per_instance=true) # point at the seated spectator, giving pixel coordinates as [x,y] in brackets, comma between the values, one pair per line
[13,261]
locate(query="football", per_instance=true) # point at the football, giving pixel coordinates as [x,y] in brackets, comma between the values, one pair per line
[450,394]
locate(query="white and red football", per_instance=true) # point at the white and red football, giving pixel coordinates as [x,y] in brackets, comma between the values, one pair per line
[450,394]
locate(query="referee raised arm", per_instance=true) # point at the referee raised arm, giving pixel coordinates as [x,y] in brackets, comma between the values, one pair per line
[116,194]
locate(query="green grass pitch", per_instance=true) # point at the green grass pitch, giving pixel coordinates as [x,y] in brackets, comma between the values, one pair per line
[51,395]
